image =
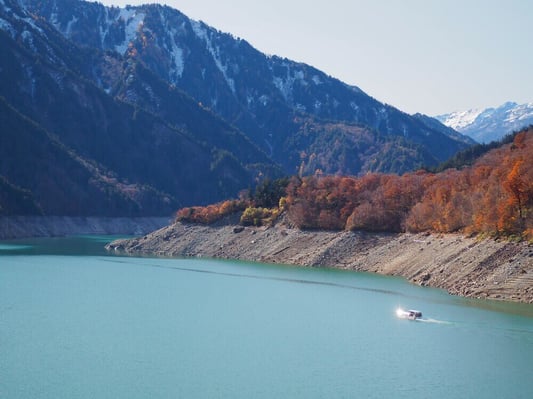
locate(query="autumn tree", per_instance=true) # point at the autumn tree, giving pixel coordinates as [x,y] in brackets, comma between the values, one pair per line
[493,196]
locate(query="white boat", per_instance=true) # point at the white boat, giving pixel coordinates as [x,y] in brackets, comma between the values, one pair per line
[408,314]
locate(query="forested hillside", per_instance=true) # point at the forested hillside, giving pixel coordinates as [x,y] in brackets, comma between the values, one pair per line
[493,196]
[300,117]
[70,146]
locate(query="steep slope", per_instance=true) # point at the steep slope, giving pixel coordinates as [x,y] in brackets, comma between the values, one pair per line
[57,181]
[16,200]
[490,124]
[142,89]
[52,83]
[268,98]
[341,148]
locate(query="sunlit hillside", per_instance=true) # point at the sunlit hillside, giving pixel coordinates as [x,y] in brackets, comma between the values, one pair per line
[493,196]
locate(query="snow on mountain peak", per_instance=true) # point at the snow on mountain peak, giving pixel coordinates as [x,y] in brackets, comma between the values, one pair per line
[485,125]
[460,119]
[523,112]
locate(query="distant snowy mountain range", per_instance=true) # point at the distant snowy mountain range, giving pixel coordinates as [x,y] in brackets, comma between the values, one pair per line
[485,125]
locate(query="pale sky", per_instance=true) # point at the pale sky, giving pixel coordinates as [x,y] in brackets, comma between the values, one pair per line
[429,56]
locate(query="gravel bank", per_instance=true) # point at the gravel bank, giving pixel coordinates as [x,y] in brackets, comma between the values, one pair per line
[463,266]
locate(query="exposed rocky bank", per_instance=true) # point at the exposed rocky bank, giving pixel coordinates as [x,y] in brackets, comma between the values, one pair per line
[471,267]
[56,226]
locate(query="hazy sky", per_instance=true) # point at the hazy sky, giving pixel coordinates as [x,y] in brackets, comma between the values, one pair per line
[429,56]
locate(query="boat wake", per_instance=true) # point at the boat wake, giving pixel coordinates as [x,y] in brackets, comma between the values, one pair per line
[259,277]
[416,315]
[435,321]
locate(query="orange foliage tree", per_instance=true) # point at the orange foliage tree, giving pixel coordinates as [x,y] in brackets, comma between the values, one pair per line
[211,213]
[493,196]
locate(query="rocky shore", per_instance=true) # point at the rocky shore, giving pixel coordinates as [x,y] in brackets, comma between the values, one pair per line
[470,267]
[55,226]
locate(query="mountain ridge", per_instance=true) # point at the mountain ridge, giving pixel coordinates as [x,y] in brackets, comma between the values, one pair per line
[176,113]
[259,94]
[490,124]
[49,81]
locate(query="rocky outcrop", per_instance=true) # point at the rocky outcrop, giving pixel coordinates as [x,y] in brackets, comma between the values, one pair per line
[55,226]
[467,266]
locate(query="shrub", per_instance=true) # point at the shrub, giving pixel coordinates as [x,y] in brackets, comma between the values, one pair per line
[211,213]
[258,216]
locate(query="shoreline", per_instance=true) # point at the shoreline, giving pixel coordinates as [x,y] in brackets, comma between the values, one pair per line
[13,227]
[465,266]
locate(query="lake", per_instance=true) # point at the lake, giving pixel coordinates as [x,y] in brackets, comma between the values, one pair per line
[76,322]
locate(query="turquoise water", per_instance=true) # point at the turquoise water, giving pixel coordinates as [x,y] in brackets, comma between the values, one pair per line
[77,323]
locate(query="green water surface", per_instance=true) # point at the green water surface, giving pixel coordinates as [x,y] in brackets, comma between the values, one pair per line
[76,322]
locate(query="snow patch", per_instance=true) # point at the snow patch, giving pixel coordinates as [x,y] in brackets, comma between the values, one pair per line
[6,27]
[131,96]
[28,39]
[6,8]
[316,80]
[263,100]
[28,20]
[176,54]
[285,84]
[31,22]
[54,21]
[300,107]
[133,21]
[68,29]
[202,34]
[104,24]
[169,43]
[382,116]
[154,100]
[30,77]
[58,78]
[198,30]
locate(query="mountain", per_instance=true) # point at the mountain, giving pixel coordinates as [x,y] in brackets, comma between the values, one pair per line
[58,181]
[270,99]
[140,110]
[490,124]
[72,148]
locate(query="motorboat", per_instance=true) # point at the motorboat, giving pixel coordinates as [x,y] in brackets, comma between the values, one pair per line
[408,314]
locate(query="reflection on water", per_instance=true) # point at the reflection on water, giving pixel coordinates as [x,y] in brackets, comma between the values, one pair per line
[91,245]
[13,247]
